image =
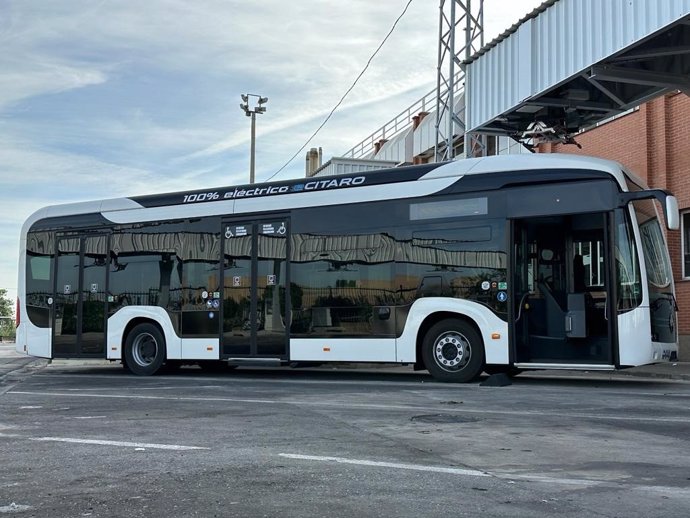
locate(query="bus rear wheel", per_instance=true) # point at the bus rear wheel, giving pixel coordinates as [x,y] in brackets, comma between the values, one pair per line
[453,351]
[145,350]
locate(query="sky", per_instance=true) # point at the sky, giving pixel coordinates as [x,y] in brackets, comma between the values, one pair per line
[110,98]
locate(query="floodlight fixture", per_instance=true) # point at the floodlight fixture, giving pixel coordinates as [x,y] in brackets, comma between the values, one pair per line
[251,105]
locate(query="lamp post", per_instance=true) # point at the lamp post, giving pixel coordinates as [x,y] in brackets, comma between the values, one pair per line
[253,104]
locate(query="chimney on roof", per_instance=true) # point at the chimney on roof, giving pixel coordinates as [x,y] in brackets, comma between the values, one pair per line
[417,119]
[313,160]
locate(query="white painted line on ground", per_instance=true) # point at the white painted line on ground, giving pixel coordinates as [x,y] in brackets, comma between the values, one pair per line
[423,385]
[245,379]
[440,469]
[368,406]
[510,477]
[14,508]
[90,417]
[102,442]
[162,398]
[90,389]
[395,465]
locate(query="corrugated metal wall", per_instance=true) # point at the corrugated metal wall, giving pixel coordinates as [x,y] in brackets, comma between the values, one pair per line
[561,42]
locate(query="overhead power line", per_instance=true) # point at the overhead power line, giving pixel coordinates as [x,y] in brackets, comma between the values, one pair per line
[345,94]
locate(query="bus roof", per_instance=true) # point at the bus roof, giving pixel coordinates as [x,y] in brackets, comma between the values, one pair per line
[375,185]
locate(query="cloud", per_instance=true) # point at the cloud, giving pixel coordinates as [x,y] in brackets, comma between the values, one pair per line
[98,100]
[21,80]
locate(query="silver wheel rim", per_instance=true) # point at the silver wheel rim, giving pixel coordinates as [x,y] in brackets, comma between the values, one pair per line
[144,349]
[452,351]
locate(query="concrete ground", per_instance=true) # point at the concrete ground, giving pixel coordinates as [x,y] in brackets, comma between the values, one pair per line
[12,361]
[92,440]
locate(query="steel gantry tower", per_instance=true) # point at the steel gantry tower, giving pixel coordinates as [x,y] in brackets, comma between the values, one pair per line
[468,17]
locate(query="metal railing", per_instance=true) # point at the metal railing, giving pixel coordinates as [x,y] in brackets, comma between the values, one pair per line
[397,124]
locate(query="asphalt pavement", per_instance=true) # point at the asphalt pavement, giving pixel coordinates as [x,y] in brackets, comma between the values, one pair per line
[89,439]
[13,362]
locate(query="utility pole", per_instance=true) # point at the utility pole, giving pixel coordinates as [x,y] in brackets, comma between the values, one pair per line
[253,104]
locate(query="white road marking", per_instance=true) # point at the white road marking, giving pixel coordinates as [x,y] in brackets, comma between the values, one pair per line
[508,477]
[102,442]
[367,406]
[90,417]
[396,465]
[394,381]
[440,469]
[88,389]
[14,508]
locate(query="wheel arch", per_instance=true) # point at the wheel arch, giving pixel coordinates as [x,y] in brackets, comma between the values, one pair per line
[433,319]
[121,323]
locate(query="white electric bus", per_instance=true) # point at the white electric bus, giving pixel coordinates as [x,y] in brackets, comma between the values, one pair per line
[494,264]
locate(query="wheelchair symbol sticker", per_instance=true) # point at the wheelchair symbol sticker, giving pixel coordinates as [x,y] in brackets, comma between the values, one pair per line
[282,229]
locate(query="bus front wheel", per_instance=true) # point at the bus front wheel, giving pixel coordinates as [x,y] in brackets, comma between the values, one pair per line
[453,351]
[145,350]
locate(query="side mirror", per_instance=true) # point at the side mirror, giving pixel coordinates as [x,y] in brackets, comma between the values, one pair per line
[666,199]
[671,213]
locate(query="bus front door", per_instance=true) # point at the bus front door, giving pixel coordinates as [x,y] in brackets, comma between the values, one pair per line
[562,290]
[79,297]
[254,280]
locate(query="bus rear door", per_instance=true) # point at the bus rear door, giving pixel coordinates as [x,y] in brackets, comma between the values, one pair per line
[80,301]
[255,301]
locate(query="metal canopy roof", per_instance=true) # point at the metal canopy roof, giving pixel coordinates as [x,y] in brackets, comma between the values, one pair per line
[572,63]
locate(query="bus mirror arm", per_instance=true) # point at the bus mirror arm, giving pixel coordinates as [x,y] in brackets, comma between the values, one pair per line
[665,198]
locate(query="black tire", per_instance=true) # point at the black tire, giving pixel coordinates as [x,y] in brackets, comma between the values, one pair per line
[453,351]
[145,350]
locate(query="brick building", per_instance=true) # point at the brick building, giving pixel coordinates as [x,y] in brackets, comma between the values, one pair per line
[654,142]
